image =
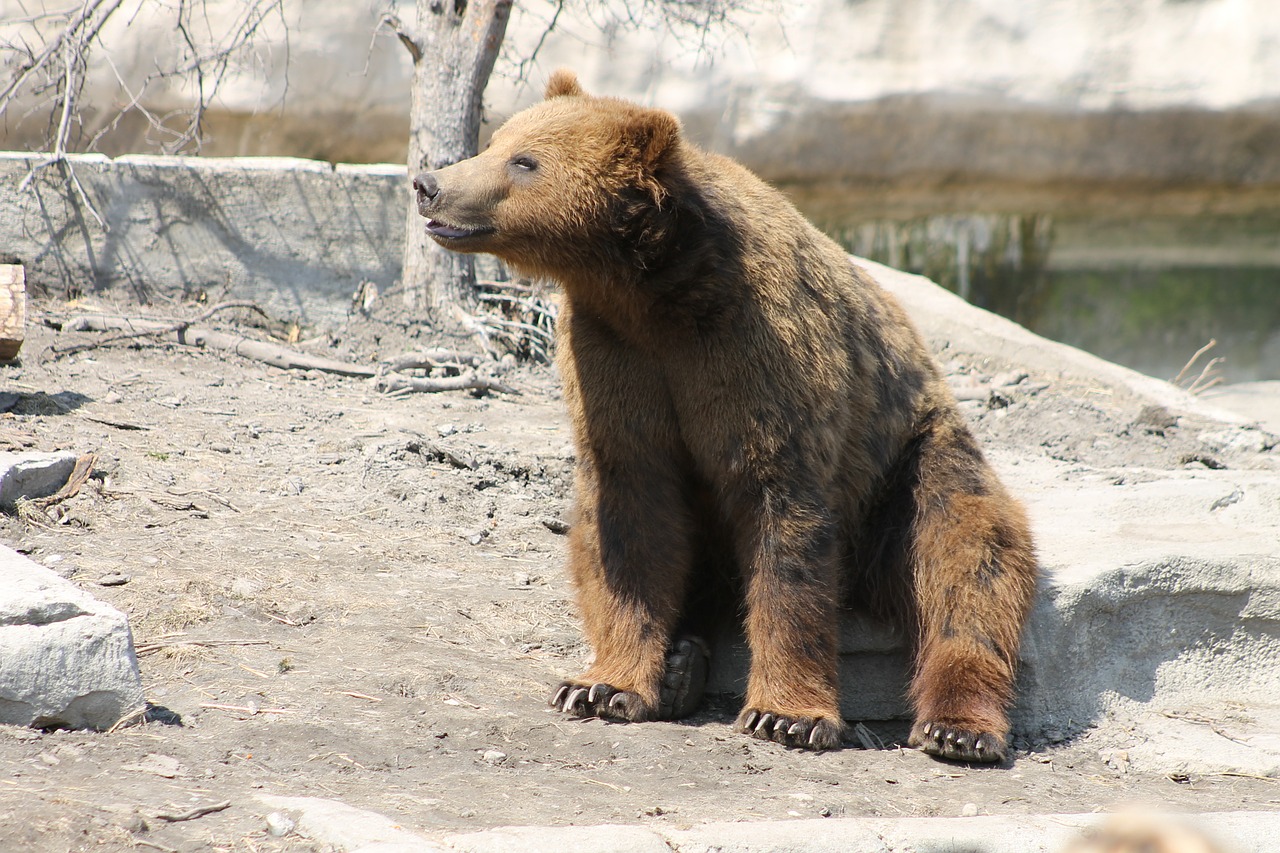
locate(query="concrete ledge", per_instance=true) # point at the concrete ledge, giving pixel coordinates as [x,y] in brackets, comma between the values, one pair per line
[66,659]
[359,831]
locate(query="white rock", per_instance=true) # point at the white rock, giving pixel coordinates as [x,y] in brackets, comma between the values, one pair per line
[66,659]
[33,475]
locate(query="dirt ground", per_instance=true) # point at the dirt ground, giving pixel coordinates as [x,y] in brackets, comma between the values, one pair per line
[340,594]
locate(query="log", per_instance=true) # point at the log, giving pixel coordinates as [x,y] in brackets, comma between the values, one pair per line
[13,310]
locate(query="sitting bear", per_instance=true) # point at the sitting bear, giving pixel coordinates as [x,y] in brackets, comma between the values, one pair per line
[742,394]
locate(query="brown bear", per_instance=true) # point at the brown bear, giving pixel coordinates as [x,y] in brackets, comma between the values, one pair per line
[741,393]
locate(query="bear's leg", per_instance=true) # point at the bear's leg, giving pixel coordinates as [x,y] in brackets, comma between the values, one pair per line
[791,626]
[631,548]
[974,576]
[630,554]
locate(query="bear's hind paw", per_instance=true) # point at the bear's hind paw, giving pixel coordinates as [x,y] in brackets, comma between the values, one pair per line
[946,739]
[685,680]
[600,700]
[816,733]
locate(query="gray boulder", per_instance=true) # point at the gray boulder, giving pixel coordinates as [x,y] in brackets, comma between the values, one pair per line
[66,659]
[33,475]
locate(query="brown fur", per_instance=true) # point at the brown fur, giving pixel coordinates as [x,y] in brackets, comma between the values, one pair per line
[735,383]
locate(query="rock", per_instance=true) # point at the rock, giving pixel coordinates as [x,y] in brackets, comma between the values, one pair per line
[32,475]
[66,659]
[164,766]
[556,525]
[280,824]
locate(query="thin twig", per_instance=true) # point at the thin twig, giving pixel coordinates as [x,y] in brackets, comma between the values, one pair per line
[244,709]
[1177,380]
[193,813]
[1206,379]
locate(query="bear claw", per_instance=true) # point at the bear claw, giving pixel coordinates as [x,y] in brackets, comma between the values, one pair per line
[598,700]
[955,743]
[816,733]
[683,683]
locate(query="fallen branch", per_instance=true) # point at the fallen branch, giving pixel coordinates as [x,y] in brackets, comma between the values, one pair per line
[138,328]
[186,334]
[469,381]
[475,372]
[433,358]
[164,643]
[192,814]
[32,510]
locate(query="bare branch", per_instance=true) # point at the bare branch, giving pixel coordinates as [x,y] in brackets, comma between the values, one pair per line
[1177,380]
[527,63]
[407,37]
[206,62]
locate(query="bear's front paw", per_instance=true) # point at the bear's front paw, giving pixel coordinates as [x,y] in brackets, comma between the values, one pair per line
[600,700]
[816,733]
[952,740]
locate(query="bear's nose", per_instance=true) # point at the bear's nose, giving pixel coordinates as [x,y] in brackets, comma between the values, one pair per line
[426,186]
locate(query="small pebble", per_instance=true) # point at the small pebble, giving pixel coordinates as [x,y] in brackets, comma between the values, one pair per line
[969,810]
[494,757]
[280,824]
[114,579]
[555,525]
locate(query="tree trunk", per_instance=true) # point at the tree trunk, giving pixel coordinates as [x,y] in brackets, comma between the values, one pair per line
[453,46]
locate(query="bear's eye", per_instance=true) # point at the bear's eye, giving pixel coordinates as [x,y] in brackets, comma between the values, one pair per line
[524,163]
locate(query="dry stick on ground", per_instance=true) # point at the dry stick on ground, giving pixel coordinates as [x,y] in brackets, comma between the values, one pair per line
[139,328]
[433,358]
[475,373]
[282,357]
[469,381]
[193,813]
[186,334]
[32,510]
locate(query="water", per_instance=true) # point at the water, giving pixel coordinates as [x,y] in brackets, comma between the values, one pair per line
[1146,289]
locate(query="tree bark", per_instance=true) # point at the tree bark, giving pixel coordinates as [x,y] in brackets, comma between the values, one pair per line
[453,46]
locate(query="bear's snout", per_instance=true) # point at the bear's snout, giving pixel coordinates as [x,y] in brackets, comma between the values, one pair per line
[427,188]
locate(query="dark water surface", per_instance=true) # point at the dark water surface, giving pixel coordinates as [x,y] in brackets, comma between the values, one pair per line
[1133,283]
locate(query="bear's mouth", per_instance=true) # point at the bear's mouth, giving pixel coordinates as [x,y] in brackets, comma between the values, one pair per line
[445,231]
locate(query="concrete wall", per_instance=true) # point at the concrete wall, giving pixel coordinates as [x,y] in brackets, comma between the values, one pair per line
[815,93]
[297,236]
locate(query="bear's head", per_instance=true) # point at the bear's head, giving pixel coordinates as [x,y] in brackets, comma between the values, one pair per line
[570,185]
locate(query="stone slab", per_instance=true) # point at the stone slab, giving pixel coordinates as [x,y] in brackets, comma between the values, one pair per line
[66,659]
[355,830]
[1255,401]
[1166,582]
[348,828]
[33,475]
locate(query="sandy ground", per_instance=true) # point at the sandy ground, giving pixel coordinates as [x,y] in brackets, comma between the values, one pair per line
[340,594]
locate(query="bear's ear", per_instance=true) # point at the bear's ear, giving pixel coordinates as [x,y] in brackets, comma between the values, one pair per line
[563,83]
[648,136]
